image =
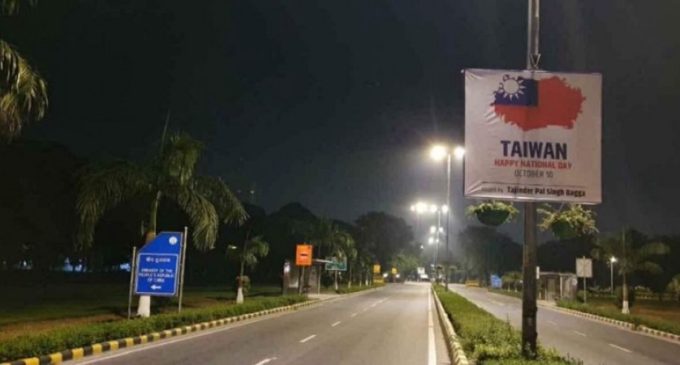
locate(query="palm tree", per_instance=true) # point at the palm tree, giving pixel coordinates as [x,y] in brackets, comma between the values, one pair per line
[171,174]
[23,92]
[251,250]
[674,286]
[327,237]
[633,252]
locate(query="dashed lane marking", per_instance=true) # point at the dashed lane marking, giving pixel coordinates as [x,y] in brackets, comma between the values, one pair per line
[307,338]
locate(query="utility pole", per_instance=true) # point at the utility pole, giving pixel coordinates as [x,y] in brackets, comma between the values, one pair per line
[529,334]
[448,224]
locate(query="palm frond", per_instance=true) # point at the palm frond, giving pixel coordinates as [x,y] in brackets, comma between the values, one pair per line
[23,92]
[11,7]
[201,213]
[178,158]
[101,188]
[650,267]
[228,207]
[653,249]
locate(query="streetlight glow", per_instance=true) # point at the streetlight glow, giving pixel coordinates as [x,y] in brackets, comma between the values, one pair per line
[459,152]
[445,208]
[433,208]
[433,229]
[430,240]
[613,259]
[439,152]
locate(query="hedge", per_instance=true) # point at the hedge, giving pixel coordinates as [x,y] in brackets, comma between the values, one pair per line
[487,339]
[87,334]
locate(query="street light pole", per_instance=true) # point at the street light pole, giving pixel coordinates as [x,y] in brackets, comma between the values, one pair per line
[529,309]
[448,215]
[612,260]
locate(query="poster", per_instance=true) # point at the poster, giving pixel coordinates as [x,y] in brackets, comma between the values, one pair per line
[533,136]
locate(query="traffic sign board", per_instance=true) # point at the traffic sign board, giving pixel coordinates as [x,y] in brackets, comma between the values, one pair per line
[335,265]
[158,265]
[303,255]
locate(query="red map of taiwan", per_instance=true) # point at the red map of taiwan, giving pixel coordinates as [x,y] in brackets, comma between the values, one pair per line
[533,104]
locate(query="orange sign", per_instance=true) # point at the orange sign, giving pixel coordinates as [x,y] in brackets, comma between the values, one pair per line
[303,255]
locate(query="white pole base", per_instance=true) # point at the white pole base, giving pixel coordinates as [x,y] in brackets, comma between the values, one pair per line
[144,306]
[624,307]
[239,296]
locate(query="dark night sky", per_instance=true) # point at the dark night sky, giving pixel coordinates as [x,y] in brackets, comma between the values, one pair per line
[332,103]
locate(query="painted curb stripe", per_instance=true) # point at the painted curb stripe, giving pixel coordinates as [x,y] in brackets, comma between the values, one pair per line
[113,345]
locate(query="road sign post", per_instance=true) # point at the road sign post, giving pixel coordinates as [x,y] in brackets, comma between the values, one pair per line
[182,269]
[157,269]
[133,268]
[584,269]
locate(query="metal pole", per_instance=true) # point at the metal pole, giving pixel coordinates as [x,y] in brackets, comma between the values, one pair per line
[529,334]
[182,269]
[611,278]
[133,269]
[436,242]
[448,215]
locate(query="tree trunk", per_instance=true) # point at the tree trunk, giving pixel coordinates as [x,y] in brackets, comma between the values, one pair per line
[349,277]
[239,291]
[144,305]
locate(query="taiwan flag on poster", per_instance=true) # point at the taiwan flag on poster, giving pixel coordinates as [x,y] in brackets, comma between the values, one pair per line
[532,104]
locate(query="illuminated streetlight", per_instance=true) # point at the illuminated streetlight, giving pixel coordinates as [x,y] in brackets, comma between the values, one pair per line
[433,229]
[459,152]
[439,152]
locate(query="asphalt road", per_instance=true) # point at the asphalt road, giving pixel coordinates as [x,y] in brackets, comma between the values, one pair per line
[395,325]
[591,341]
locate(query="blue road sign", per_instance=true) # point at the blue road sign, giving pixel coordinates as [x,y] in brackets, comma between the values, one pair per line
[157,271]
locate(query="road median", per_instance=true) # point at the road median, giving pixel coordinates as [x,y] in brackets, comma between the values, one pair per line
[486,339]
[92,339]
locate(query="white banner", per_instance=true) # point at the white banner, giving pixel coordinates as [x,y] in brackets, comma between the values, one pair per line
[533,136]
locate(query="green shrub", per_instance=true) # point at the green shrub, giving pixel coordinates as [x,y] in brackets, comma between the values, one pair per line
[487,339]
[87,334]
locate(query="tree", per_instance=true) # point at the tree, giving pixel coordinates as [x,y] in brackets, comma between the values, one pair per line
[327,237]
[487,251]
[23,92]
[251,249]
[382,236]
[171,174]
[674,286]
[633,251]
[512,279]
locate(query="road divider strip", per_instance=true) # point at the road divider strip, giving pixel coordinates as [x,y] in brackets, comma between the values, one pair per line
[98,348]
[624,324]
[452,344]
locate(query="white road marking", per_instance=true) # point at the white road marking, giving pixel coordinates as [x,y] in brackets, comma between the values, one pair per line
[177,339]
[307,338]
[579,333]
[335,324]
[431,350]
[620,348]
[267,360]
[553,323]
[353,314]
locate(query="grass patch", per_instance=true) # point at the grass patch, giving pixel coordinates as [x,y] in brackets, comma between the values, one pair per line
[34,309]
[663,316]
[356,288]
[86,334]
[488,340]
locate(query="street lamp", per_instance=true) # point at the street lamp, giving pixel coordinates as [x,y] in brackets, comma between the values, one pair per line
[612,261]
[438,153]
